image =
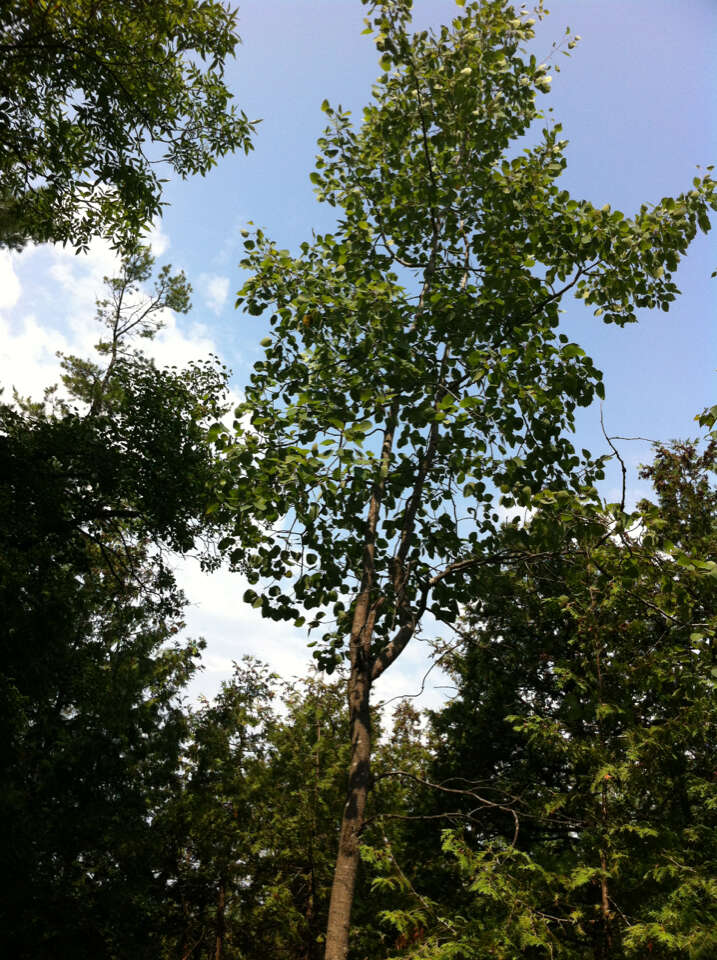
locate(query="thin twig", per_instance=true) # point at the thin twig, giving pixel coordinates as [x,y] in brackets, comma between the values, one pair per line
[412,696]
[622,462]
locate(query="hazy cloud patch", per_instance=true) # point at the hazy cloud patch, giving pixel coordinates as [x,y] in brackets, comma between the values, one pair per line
[10,288]
[234,629]
[215,290]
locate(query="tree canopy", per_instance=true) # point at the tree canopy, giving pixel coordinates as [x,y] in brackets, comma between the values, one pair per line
[93,94]
[576,763]
[98,486]
[402,453]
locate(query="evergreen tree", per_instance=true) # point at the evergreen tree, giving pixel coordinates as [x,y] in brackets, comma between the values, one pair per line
[583,736]
[97,488]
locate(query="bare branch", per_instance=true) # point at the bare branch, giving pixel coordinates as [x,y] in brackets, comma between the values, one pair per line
[622,462]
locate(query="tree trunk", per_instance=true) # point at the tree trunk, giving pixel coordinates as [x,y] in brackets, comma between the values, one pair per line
[359,692]
[220,922]
[347,860]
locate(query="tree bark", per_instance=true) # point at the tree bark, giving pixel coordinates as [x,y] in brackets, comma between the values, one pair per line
[347,860]
[359,694]
[220,929]
[365,668]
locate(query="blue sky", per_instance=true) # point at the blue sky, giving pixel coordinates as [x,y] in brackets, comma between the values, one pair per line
[637,102]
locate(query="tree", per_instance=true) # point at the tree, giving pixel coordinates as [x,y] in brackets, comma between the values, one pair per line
[92,736]
[96,488]
[253,827]
[92,94]
[307,759]
[309,753]
[583,733]
[212,825]
[414,372]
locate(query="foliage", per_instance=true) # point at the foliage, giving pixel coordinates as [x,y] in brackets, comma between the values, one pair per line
[92,94]
[212,840]
[414,382]
[96,488]
[253,827]
[123,450]
[92,733]
[586,723]
[302,787]
[464,375]
[414,372]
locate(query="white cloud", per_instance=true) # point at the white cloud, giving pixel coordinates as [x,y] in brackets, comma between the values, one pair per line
[157,240]
[176,346]
[79,278]
[234,629]
[215,290]
[9,284]
[28,361]
[47,304]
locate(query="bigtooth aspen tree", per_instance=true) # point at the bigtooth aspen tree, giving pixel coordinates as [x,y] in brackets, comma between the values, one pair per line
[415,376]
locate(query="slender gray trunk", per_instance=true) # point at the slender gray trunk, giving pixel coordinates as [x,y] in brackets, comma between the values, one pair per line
[347,860]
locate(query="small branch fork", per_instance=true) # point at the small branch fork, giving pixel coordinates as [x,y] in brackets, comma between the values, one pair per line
[393,649]
[482,801]
[617,454]
[424,678]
